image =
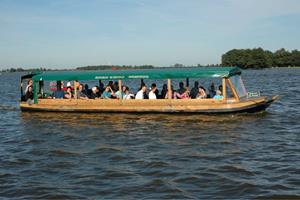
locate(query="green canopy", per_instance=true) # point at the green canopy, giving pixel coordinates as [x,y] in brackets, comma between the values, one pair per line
[163,73]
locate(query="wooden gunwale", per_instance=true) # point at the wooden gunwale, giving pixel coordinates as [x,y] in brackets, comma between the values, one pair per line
[133,105]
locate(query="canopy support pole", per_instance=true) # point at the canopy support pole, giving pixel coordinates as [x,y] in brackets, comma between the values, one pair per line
[233,90]
[224,93]
[120,90]
[75,90]
[169,89]
[35,87]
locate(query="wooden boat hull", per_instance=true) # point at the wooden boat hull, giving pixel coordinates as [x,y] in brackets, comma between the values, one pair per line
[150,106]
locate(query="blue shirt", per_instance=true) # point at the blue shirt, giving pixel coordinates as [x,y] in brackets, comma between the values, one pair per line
[106,95]
[58,94]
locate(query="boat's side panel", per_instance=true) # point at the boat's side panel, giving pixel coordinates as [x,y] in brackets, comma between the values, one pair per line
[159,105]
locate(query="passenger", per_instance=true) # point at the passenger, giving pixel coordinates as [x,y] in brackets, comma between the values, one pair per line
[128,95]
[68,94]
[152,94]
[117,94]
[80,93]
[218,95]
[58,93]
[164,92]
[29,84]
[184,95]
[201,93]
[181,89]
[140,94]
[195,90]
[115,86]
[108,93]
[29,94]
[95,93]
[221,89]
[87,91]
[101,86]
[110,84]
[211,90]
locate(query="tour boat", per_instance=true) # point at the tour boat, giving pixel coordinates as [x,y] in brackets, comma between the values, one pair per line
[234,99]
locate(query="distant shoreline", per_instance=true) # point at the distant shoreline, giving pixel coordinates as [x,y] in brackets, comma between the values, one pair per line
[12,70]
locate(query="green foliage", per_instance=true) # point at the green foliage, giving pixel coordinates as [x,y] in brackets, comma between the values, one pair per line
[259,58]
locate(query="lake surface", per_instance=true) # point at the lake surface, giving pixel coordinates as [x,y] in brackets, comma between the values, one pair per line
[125,156]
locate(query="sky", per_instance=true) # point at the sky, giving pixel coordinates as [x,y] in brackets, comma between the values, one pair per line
[72,33]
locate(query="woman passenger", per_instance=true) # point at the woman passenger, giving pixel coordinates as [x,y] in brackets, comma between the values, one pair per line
[29,94]
[127,94]
[29,84]
[201,93]
[68,94]
[108,93]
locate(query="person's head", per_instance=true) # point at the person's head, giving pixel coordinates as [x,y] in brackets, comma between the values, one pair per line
[110,83]
[144,88]
[153,87]
[69,89]
[107,88]
[165,86]
[95,90]
[203,88]
[220,87]
[30,82]
[80,88]
[181,85]
[86,86]
[196,84]
[124,88]
[219,92]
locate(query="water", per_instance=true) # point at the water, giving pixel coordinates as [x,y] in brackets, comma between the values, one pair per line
[125,156]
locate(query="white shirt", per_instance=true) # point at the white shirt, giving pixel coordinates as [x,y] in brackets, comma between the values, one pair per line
[152,95]
[139,95]
[128,96]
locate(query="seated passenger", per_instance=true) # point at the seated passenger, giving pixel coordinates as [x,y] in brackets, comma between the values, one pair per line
[127,94]
[58,94]
[211,91]
[117,94]
[164,92]
[184,95]
[218,95]
[95,93]
[195,90]
[181,89]
[29,84]
[115,86]
[140,94]
[80,93]
[29,94]
[108,93]
[68,94]
[201,93]
[152,94]
[87,91]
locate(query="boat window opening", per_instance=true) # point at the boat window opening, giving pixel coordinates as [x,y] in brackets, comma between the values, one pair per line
[238,84]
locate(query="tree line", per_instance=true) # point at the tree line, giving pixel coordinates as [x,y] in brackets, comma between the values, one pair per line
[259,58]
